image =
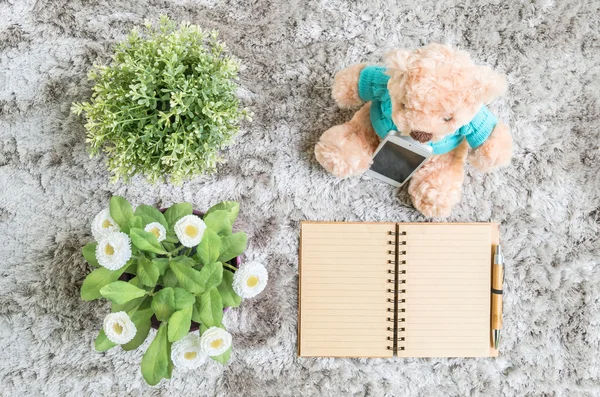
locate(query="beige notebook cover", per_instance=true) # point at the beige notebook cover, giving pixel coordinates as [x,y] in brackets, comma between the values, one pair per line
[410,289]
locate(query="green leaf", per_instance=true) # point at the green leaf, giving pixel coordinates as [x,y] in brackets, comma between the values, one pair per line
[179,324]
[151,214]
[183,298]
[223,358]
[168,246]
[96,280]
[203,328]
[131,266]
[135,281]
[176,212]
[170,366]
[231,207]
[211,308]
[120,211]
[144,309]
[198,282]
[120,292]
[89,253]
[142,325]
[219,222]
[146,241]
[102,343]
[209,248]
[185,260]
[230,298]
[163,303]
[196,313]
[190,279]
[232,246]
[155,362]
[127,306]
[213,273]
[169,279]
[147,272]
[162,264]
[134,221]
[171,238]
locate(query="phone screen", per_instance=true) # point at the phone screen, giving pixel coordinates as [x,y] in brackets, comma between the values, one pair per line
[396,162]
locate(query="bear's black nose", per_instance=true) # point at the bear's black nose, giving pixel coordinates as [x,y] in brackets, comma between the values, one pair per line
[421,136]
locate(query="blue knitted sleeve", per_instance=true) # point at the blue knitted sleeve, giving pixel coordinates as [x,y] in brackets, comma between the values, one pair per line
[372,83]
[480,128]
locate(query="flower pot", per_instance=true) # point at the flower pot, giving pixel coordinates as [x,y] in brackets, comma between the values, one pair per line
[235,262]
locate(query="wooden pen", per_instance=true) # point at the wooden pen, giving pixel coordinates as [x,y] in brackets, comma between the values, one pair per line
[497,283]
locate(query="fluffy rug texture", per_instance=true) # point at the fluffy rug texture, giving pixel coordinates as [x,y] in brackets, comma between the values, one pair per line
[548,200]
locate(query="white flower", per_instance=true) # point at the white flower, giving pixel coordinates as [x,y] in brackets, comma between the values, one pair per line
[119,328]
[157,229]
[190,230]
[103,224]
[215,341]
[187,353]
[250,280]
[114,250]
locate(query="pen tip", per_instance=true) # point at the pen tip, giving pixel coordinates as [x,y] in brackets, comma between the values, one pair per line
[496,339]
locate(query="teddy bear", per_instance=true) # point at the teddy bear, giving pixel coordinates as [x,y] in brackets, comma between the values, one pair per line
[436,95]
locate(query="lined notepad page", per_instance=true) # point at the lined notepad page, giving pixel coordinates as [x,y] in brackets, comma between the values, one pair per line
[343,289]
[447,308]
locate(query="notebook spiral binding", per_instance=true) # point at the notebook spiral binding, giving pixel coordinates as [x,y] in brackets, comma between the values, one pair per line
[397,280]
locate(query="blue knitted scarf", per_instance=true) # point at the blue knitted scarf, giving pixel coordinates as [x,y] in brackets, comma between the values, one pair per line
[372,86]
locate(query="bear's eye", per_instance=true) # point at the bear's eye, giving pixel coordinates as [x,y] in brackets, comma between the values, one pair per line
[403,106]
[448,119]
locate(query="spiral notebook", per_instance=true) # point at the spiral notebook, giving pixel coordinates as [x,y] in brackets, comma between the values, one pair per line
[409,289]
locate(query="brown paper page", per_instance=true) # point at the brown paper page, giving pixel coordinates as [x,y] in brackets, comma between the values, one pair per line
[343,294]
[447,298]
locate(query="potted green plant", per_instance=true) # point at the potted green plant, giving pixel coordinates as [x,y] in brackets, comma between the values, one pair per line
[175,269]
[166,104]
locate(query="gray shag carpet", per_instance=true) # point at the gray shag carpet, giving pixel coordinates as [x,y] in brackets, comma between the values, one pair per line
[548,200]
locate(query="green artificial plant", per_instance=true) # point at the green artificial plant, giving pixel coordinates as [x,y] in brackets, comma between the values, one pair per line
[166,105]
[143,268]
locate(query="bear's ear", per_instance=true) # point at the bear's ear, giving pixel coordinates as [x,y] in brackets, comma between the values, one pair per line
[396,59]
[493,84]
